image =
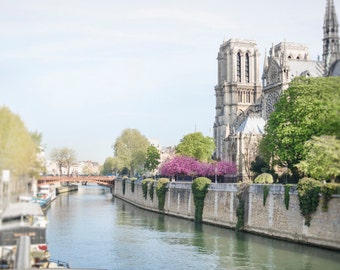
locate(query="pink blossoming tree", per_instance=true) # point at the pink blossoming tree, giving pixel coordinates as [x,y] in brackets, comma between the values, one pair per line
[187,166]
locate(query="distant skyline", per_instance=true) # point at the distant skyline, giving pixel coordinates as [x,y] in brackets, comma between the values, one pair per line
[82,71]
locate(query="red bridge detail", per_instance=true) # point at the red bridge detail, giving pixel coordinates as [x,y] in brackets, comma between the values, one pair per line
[102,180]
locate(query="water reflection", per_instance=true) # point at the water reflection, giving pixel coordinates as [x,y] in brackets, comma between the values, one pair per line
[88,230]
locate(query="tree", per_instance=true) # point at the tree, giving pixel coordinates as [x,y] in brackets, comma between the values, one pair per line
[18,152]
[152,158]
[108,166]
[64,157]
[322,158]
[197,146]
[40,161]
[309,107]
[182,165]
[260,166]
[130,149]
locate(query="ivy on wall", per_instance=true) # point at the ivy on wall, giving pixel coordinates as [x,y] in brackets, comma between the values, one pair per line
[327,190]
[266,189]
[123,185]
[242,193]
[151,189]
[199,189]
[286,195]
[308,192]
[145,188]
[161,189]
[133,184]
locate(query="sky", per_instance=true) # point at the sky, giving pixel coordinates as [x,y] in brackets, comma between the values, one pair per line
[81,71]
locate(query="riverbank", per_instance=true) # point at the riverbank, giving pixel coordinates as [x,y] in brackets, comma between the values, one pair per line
[271,219]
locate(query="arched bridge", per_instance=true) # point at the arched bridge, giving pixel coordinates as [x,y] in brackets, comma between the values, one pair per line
[101,180]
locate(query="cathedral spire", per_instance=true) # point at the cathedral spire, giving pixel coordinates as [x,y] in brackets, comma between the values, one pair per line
[331,49]
[265,66]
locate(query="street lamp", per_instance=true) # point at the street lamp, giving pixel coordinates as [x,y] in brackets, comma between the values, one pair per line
[215,173]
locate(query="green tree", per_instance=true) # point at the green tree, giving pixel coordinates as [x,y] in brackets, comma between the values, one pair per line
[322,160]
[152,158]
[197,146]
[130,150]
[40,162]
[259,166]
[64,157]
[18,151]
[309,107]
[108,166]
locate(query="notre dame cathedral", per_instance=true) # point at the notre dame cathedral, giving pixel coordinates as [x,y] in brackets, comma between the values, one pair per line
[243,102]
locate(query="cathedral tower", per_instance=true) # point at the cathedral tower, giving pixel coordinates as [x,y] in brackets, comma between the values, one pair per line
[237,90]
[331,49]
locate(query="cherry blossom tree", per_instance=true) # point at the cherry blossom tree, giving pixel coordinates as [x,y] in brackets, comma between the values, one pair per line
[183,165]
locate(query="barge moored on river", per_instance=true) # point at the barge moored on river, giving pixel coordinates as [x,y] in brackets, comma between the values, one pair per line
[19,219]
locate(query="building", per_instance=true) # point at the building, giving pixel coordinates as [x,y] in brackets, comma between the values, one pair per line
[77,168]
[243,103]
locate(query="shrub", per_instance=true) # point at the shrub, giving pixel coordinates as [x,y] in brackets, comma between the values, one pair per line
[308,192]
[327,190]
[264,178]
[145,187]
[132,180]
[199,189]
[161,189]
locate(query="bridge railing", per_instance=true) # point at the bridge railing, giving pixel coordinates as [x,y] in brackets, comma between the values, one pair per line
[101,179]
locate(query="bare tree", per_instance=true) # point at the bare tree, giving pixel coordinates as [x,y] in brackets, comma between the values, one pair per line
[64,157]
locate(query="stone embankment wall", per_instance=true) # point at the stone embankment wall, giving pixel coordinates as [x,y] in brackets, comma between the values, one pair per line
[271,219]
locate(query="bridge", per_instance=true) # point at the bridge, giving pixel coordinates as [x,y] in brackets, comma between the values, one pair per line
[101,180]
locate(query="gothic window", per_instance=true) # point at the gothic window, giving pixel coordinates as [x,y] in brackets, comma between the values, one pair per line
[248,97]
[233,152]
[238,67]
[247,68]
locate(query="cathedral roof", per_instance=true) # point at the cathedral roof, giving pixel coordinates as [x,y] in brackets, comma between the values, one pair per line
[252,124]
[335,69]
[305,68]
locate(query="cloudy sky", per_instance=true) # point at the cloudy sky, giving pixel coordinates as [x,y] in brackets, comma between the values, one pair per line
[81,71]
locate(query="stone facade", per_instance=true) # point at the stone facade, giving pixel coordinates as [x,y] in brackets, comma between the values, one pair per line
[241,98]
[286,60]
[237,90]
[220,206]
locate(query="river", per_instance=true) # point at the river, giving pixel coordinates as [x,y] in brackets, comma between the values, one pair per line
[88,229]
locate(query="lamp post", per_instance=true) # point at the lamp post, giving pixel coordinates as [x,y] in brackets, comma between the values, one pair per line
[216,173]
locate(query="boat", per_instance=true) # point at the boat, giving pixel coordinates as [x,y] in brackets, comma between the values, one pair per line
[25,220]
[18,219]
[67,188]
[45,195]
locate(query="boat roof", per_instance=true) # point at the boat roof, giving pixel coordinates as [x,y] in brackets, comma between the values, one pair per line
[22,208]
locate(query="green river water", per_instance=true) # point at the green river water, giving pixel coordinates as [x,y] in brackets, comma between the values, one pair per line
[89,229]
